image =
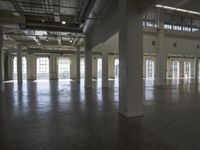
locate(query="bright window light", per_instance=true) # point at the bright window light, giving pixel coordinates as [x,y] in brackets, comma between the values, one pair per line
[63,22]
[40,32]
[178,9]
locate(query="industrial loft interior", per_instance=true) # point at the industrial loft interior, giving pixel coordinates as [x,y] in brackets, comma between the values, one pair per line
[99,74]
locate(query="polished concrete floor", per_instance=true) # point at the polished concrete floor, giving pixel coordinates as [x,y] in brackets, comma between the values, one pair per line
[59,115]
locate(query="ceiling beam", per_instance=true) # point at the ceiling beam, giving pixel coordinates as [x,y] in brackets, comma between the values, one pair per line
[8,18]
[146,4]
[56,10]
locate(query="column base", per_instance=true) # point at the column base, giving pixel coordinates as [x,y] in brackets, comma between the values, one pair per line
[127,115]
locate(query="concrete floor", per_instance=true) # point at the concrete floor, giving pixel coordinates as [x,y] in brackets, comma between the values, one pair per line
[59,115]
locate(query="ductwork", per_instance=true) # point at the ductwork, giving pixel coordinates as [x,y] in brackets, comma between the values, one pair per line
[50,27]
[94,13]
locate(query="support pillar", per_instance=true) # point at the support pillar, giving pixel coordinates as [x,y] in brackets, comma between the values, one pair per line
[8,67]
[19,64]
[88,66]
[1,55]
[105,82]
[73,67]
[31,67]
[181,68]
[161,61]
[130,58]
[94,67]
[78,72]
[53,68]
[111,70]
[196,69]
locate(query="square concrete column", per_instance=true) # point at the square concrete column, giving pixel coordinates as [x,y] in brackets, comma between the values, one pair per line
[161,61]
[19,64]
[130,59]
[196,69]
[78,73]
[181,68]
[6,67]
[73,67]
[105,82]
[88,67]
[94,67]
[1,55]
[8,62]
[53,65]
[111,68]
[31,67]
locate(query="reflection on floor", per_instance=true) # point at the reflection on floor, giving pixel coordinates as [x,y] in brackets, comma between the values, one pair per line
[60,115]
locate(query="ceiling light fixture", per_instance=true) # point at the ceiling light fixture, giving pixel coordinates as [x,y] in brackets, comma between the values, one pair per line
[178,9]
[63,22]
[70,41]
[42,20]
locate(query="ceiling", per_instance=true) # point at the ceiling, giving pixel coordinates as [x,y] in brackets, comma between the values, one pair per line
[44,24]
[193,5]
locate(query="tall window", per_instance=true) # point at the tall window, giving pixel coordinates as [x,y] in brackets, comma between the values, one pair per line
[63,68]
[99,68]
[15,68]
[187,69]
[116,68]
[82,68]
[175,69]
[149,68]
[24,68]
[43,68]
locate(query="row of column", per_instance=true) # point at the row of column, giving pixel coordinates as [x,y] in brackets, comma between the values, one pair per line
[74,68]
[90,68]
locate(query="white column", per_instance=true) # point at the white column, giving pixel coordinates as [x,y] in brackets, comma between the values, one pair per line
[6,67]
[53,68]
[1,55]
[111,70]
[19,64]
[161,61]
[9,67]
[196,69]
[130,58]
[88,67]
[78,65]
[94,67]
[31,67]
[105,82]
[73,67]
